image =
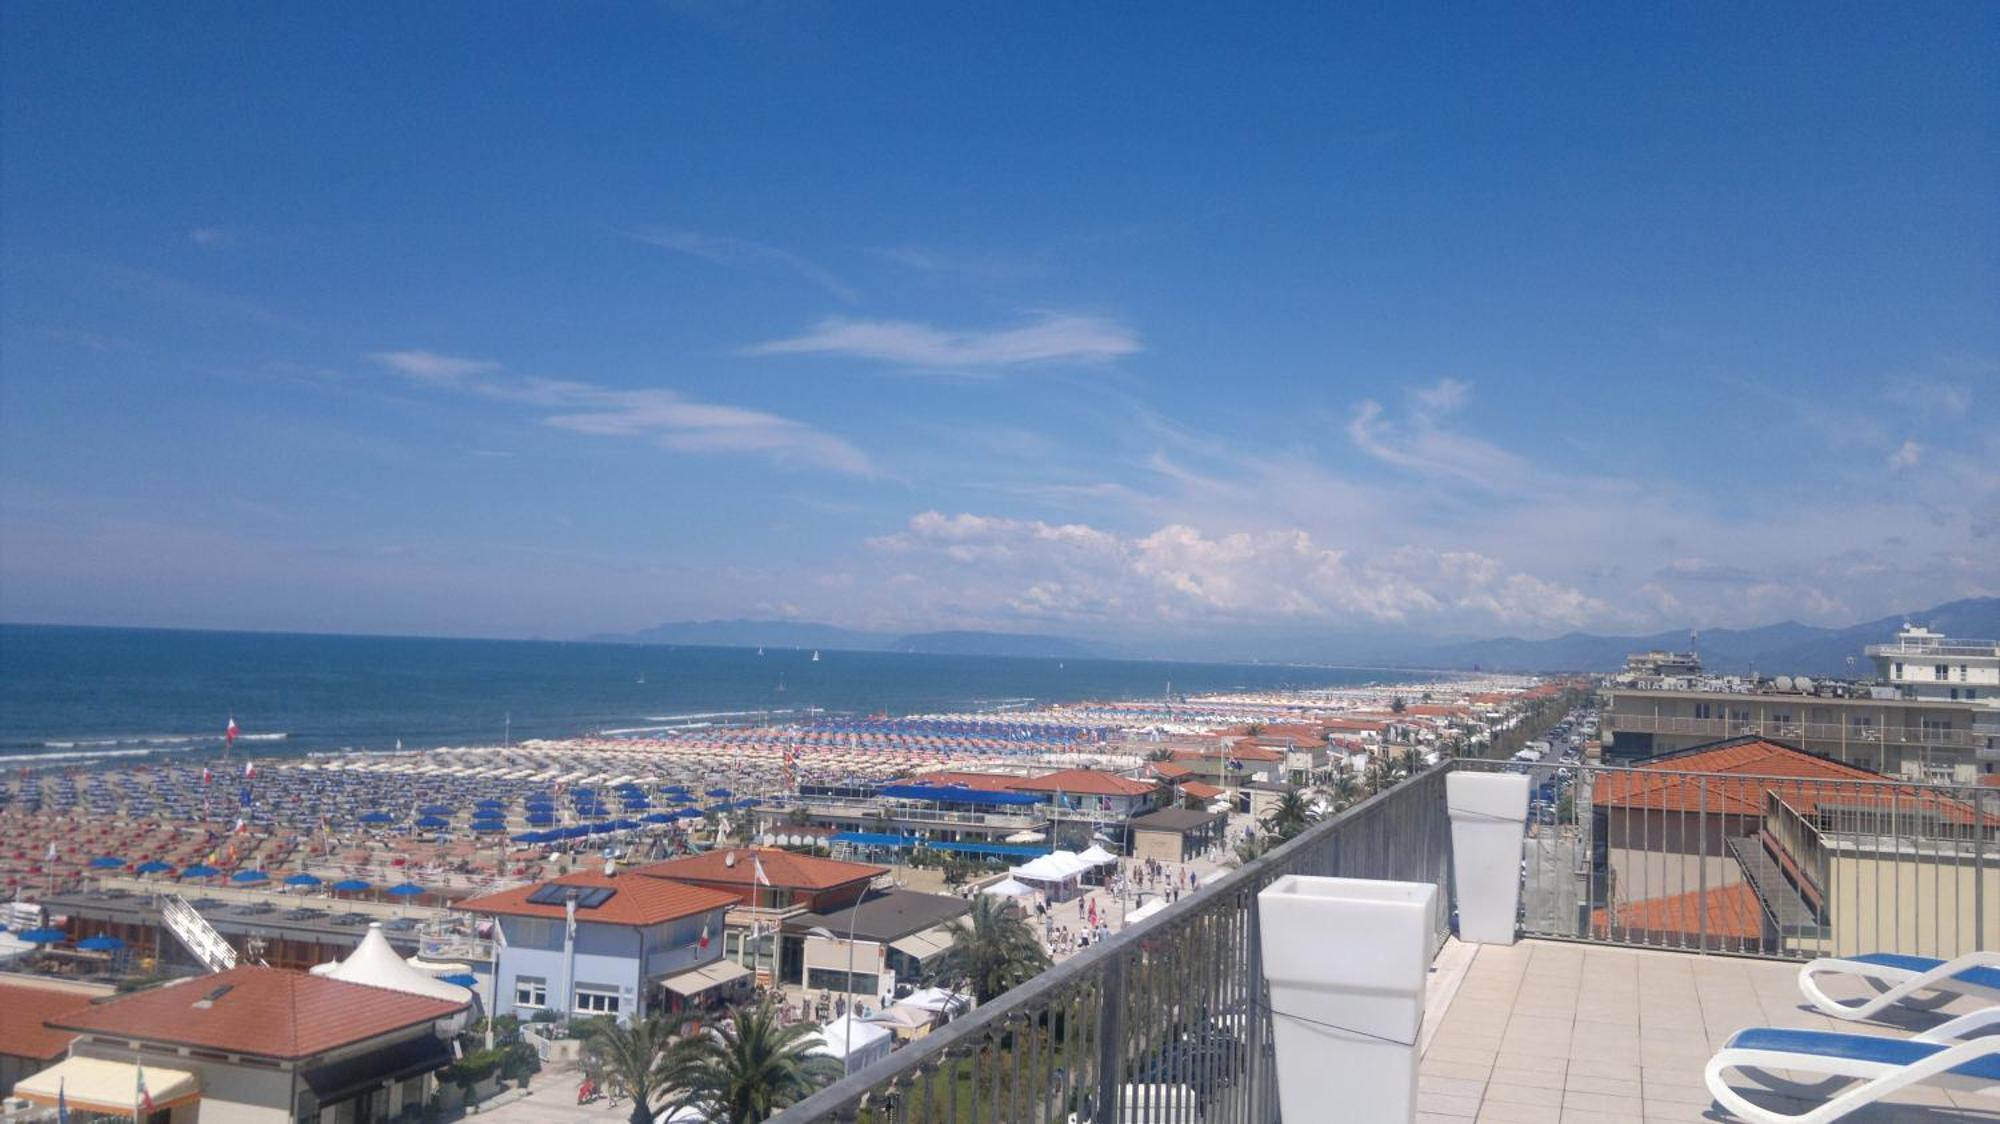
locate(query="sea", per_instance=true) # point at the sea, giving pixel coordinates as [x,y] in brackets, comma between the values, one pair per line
[79,695]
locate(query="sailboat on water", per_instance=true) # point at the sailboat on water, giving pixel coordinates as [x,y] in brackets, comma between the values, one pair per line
[815,658]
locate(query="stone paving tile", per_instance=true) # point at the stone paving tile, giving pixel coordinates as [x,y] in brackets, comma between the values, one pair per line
[1554,1033]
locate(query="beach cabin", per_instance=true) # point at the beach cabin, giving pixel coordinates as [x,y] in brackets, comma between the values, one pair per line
[610,943]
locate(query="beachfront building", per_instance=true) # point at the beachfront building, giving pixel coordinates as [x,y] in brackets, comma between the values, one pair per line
[608,943]
[769,886]
[1176,834]
[896,939]
[27,1043]
[1755,845]
[249,1046]
[1002,813]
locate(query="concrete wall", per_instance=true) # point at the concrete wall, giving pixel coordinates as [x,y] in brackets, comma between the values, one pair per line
[1919,905]
[1165,846]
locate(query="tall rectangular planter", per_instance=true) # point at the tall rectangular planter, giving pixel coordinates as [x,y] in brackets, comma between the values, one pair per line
[1489,816]
[1346,960]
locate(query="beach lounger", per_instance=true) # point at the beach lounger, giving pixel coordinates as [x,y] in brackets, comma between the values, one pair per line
[1847,1072]
[1918,982]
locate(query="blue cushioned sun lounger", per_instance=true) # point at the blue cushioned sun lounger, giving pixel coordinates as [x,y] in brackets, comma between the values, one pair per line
[1862,1068]
[1911,981]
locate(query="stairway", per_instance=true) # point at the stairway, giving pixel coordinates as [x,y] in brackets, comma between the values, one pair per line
[192,930]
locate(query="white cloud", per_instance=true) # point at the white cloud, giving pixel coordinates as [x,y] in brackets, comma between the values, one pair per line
[741,253]
[665,417]
[995,568]
[1047,338]
[210,237]
[1906,456]
[1930,395]
[1422,444]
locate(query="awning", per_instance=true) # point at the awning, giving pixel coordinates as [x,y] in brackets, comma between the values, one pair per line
[340,1080]
[705,977]
[922,946]
[108,1087]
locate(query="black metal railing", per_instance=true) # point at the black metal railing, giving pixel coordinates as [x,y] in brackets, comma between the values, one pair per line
[1165,1022]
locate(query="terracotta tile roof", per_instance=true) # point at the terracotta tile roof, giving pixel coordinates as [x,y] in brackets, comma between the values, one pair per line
[1085,782]
[1751,768]
[1202,790]
[1354,725]
[1733,914]
[1170,770]
[24,1008]
[266,1012]
[1240,751]
[638,900]
[986,782]
[785,869]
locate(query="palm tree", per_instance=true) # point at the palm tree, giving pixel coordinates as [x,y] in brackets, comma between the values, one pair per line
[1293,813]
[992,949]
[1346,789]
[747,1069]
[1247,850]
[630,1055]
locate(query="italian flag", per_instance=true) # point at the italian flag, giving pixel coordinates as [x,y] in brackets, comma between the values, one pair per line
[145,1095]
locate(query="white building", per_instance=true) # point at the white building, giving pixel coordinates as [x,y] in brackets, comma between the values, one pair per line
[1922,664]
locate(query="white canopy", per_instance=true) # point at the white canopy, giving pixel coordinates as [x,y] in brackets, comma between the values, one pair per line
[1009,887]
[936,999]
[1098,856]
[1045,869]
[845,1036]
[374,963]
[111,1088]
[1026,837]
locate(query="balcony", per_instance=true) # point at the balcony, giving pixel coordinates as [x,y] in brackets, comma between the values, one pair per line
[902,811]
[1822,732]
[1606,1012]
[1950,647]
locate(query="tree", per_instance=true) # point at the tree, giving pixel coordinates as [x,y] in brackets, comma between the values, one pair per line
[1247,850]
[993,948]
[1397,705]
[1254,729]
[747,1069]
[633,1056]
[1160,754]
[1346,789]
[1292,814]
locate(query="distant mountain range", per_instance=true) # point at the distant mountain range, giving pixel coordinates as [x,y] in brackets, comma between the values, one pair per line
[806,634]
[1789,648]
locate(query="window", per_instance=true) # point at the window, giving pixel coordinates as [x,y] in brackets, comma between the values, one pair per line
[534,932]
[596,999]
[1703,710]
[1961,673]
[1899,670]
[1862,721]
[1942,672]
[531,991]
[1936,727]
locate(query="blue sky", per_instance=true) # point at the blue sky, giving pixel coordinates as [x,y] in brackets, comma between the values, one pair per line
[1154,322]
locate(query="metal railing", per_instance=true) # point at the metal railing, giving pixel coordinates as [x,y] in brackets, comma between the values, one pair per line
[1950,646]
[1857,736]
[1165,1022]
[896,811]
[1775,866]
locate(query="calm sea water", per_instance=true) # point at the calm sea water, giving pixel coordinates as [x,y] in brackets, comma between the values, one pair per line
[75,693]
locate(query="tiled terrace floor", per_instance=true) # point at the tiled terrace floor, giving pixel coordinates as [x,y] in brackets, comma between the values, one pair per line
[1567,1033]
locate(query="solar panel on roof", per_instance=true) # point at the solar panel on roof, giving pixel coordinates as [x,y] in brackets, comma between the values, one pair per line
[587,897]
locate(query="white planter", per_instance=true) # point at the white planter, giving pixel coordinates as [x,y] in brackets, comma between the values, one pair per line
[1489,816]
[1346,959]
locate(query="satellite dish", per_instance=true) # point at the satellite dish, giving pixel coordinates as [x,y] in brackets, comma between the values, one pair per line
[1804,684]
[1784,683]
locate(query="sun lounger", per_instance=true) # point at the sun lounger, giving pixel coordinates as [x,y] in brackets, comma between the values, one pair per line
[1918,982]
[1846,1072]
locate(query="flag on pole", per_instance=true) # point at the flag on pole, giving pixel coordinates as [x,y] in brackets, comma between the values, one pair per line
[145,1094]
[51,856]
[249,770]
[757,871]
[206,776]
[229,733]
[704,936]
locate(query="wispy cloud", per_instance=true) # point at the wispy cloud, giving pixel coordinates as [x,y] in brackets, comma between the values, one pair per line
[741,253]
[1930,395]
[1047,338]
[211,237]
[664,417]
[1422,442]
[1906,456]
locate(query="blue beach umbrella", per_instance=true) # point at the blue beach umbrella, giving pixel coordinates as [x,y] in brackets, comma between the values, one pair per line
[433,822]
[436,810]
[107,862]
[407,890]
[302,879]
[720,793]
[462,979]
[657,817]
[199,870]
[249,876]
[42,936]
[155,866]
[378,817]
[105,943]
[350,886]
